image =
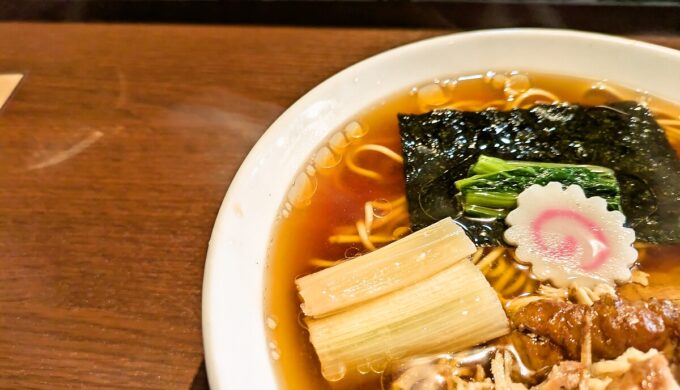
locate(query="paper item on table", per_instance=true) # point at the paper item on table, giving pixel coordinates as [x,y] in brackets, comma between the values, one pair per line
[8,82]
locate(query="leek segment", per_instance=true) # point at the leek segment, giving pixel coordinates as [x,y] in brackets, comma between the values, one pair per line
[435,300]
[393,267]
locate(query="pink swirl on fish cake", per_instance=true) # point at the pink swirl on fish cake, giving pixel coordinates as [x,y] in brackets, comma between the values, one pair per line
[568,247]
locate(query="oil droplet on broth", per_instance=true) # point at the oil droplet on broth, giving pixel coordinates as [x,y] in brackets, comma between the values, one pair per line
[326,159]
[334,371]
[516,84]
[599,94]
[338,142]
[302,190]
[381,208]
[352,252]
[378,366]
[355,130]
[431,96]
[449,84]
[497,81]
[272,322]
[644,99]
[363,368]
[274,351]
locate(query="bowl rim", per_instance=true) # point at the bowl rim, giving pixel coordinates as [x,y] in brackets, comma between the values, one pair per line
[227,233]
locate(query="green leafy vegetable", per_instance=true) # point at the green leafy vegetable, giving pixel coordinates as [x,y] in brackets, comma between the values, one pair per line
[492,192]
[440,147]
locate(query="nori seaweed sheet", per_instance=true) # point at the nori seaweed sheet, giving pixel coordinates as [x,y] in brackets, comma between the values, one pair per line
[440,146]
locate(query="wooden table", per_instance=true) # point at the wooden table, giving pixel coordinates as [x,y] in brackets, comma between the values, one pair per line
[115,153]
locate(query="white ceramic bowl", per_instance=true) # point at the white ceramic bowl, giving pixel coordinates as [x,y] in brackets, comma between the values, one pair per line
[233,320]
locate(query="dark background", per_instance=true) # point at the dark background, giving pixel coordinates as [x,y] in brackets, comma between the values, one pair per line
[623,16]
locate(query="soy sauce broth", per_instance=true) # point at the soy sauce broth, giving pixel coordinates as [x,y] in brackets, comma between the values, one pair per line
[339,196]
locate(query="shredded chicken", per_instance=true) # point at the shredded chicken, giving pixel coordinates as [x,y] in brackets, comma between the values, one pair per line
[633,370]
[650,374]
[618,366]
[580,331]
[563,376]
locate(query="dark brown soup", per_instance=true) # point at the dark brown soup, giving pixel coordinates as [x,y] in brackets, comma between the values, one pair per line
[321,230]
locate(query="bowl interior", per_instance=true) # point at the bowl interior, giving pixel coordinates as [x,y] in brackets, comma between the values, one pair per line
[233,320]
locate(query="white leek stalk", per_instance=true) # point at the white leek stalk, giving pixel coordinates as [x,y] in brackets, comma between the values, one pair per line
[388,269]
[434,300]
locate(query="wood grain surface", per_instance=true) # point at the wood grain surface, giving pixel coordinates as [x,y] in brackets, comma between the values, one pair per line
[115,153]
